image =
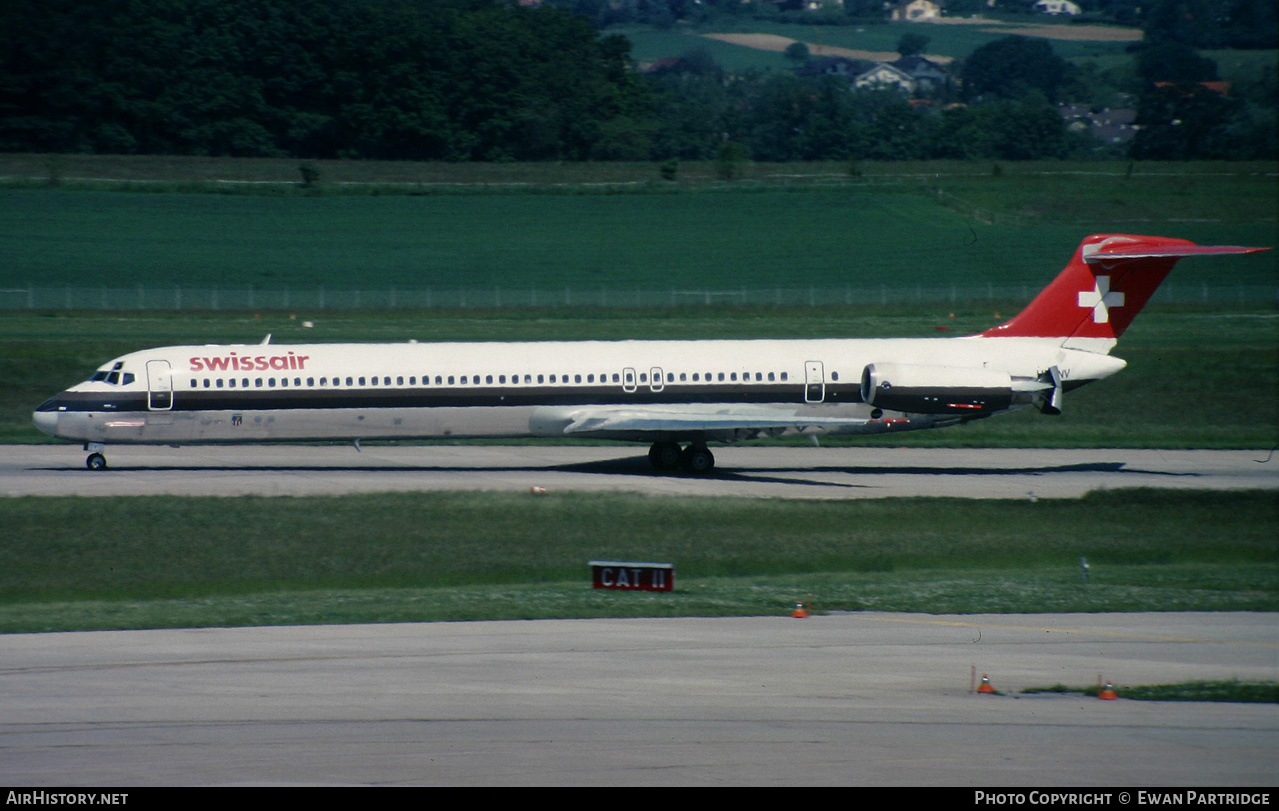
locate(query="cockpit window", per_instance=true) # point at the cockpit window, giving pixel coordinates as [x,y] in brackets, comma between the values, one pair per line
[113,376]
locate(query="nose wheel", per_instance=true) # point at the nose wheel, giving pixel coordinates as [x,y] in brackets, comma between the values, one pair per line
[96,461]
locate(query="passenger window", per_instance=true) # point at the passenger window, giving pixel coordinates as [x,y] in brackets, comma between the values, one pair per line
[231,383]
[220,383]
[310,381]
[834,375]
[577,378]
[770,377]
[350,382]
[784,375]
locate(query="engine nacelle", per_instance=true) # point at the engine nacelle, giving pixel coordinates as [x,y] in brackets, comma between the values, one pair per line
[936,389]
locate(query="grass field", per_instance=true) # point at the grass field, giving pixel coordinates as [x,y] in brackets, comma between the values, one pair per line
[955,41]
[156,562]
[958,224]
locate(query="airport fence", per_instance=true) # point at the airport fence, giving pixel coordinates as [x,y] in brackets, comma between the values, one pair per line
[247,298]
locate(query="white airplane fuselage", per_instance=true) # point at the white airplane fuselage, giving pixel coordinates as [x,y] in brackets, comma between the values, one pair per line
[637,390]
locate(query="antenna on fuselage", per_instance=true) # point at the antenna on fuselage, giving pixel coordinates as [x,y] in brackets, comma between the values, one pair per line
[266,340]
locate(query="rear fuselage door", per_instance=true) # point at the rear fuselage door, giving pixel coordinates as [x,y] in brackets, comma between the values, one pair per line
[814,382]
[159,385]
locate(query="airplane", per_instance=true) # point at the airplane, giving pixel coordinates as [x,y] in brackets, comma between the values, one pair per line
[676,395]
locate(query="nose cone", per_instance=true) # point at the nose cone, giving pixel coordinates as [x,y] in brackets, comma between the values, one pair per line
[46,421]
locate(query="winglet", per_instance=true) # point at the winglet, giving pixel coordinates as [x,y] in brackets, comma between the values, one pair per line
[1108,281]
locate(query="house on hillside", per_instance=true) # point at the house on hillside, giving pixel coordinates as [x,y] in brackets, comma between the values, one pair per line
[834,66]
[929,77]
[1056,7]
[915,11]
[885,77]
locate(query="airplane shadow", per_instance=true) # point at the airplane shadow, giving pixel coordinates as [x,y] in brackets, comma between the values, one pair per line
[639,467]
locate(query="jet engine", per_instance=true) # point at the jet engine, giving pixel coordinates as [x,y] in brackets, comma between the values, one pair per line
[956,390]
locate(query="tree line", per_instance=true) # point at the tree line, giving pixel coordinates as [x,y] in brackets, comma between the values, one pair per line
[489,80]
[429,80]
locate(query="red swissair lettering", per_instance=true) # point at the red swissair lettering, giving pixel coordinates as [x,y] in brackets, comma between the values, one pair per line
[236,363]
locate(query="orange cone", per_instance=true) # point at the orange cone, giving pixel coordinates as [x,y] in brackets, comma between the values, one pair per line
[985,685]
[1108,692]
[799,613]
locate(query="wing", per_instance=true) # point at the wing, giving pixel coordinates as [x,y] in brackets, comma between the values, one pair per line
[717,422]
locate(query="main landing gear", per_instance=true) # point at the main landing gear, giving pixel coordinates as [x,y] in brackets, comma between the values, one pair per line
[696,458]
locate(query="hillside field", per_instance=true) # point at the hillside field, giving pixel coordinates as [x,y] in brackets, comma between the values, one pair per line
[958,224]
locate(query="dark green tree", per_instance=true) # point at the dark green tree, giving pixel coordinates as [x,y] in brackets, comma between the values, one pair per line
[1012,67]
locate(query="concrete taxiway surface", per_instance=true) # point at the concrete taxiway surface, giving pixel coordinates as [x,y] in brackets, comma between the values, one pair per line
[797,472]
[853,699]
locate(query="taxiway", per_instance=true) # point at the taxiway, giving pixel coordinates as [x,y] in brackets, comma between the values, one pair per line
[766,472]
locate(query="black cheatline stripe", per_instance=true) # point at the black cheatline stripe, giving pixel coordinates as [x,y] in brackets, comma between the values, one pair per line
[281,399]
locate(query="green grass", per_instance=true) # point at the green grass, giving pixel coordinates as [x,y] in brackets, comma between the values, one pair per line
[956,41]
[922,224]
[151,562]
[1230,690]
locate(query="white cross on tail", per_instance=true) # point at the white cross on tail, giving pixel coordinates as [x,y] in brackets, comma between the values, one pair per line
[1100,299]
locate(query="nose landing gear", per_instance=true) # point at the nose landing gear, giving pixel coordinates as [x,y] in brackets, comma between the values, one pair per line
[96,460]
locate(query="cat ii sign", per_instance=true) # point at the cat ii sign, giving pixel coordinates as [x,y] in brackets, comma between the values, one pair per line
[627,576]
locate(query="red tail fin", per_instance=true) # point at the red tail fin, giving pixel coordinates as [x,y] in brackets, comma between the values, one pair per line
[1108,281]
